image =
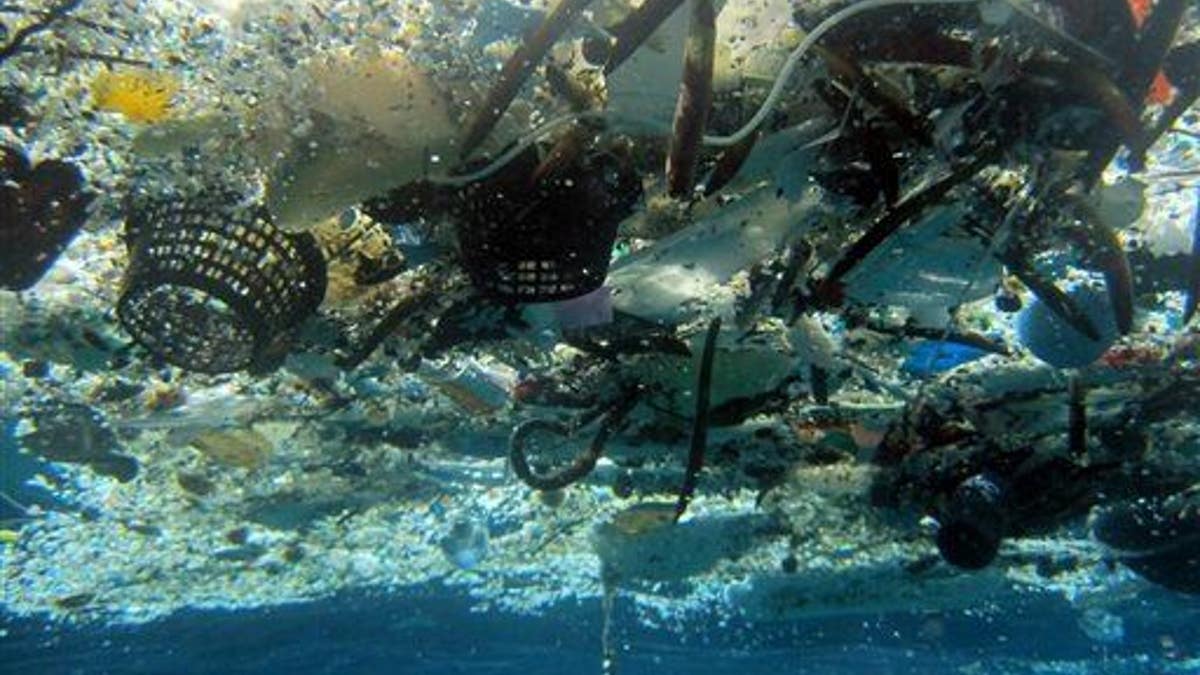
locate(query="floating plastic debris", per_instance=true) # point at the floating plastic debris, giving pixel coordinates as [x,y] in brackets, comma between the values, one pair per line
[592,309]
[466,544]
[241,448]
[1101,626]
[930,357]
[369,120]
[212,285]
[478,388]
[360,371]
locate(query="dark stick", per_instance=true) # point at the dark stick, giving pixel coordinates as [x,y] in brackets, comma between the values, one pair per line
[893,220]
[1158,34]
[1101,92]
[1056,300]
[517,70]
[820,384]
[102,58]
[395,318]
[969,339]
[1153,45]
[633,31]
[700,421]
[850,73]
[694,102]
[729,163]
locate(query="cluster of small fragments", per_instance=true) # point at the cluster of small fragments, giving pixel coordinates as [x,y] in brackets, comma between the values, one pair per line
[751,305]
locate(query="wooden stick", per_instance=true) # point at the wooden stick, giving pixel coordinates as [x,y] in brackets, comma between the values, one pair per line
[695,100]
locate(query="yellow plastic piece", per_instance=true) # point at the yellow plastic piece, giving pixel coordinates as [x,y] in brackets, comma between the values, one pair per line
[140,95]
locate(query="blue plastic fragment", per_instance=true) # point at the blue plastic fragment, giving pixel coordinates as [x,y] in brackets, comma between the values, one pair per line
[1056,342]
[930,357]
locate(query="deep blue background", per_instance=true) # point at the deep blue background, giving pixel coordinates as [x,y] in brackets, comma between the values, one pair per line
[434,631]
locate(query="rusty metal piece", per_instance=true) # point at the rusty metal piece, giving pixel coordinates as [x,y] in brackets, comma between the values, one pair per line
[517,70]
[695,100]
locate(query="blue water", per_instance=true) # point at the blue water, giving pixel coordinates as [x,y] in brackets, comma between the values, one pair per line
[435,631]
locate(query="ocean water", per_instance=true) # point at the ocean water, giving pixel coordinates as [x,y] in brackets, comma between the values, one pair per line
[622,336]
[431,631]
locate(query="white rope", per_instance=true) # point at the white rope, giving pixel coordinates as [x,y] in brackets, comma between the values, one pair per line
[793,60]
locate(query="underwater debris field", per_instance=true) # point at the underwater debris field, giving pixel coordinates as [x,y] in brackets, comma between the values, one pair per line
[674,314]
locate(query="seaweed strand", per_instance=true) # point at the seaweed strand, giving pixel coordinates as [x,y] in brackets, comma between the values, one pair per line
[789,66]
[700,421]
[582,464]
[1055,299]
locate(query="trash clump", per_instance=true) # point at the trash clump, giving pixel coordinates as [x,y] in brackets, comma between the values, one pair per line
[42,208]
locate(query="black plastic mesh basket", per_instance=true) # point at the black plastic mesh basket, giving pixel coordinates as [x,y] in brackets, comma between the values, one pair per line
[548,241]
[212,286]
